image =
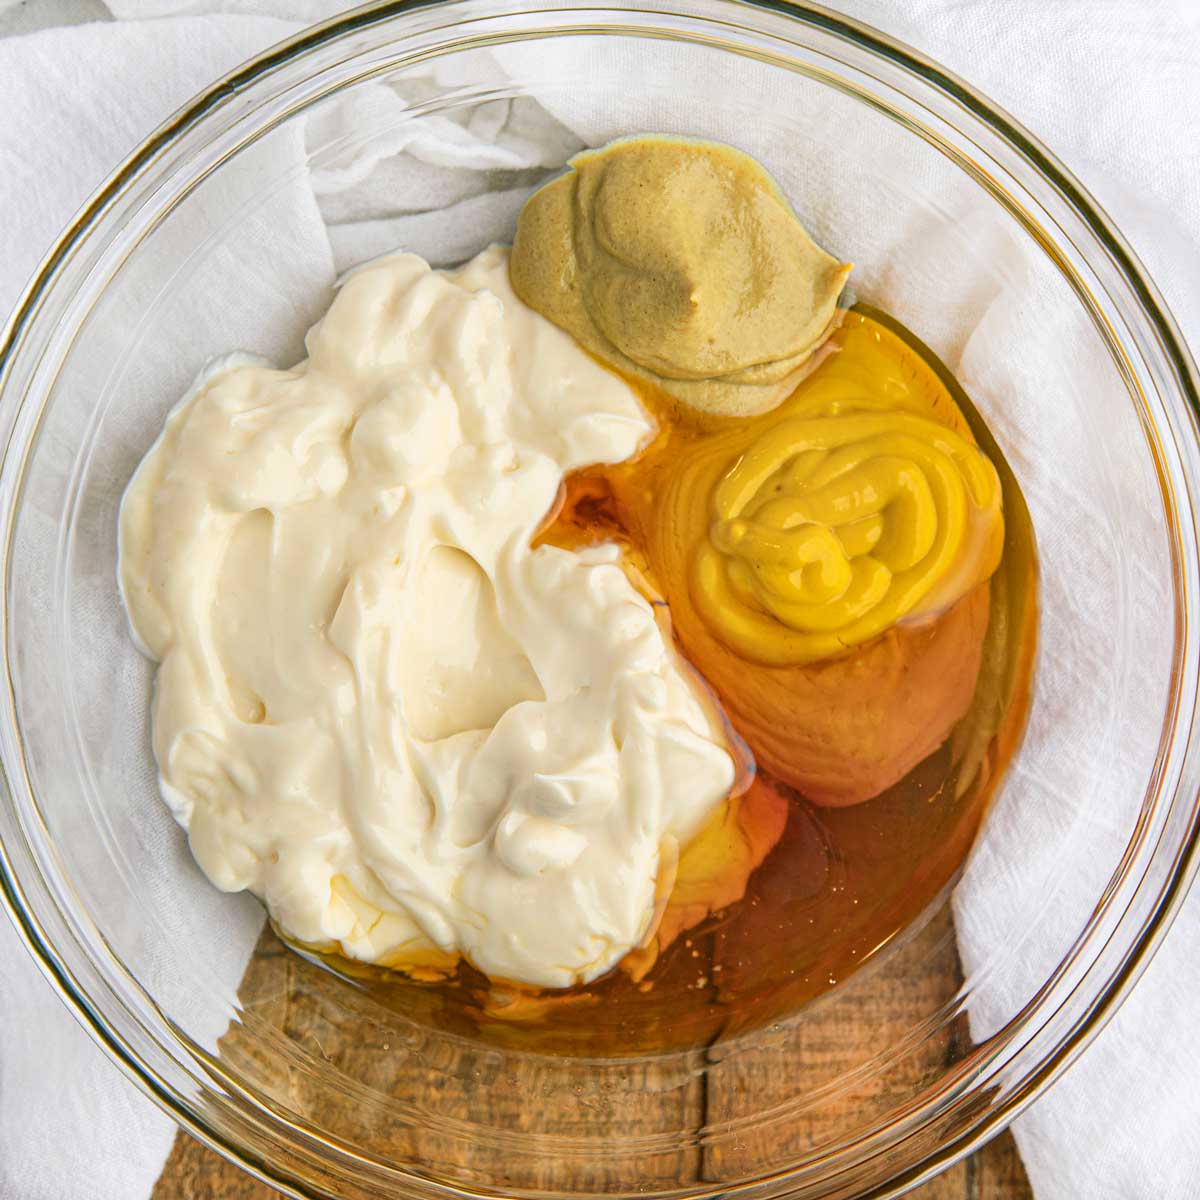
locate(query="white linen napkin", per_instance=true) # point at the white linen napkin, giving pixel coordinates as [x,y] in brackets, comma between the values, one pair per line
[72,102]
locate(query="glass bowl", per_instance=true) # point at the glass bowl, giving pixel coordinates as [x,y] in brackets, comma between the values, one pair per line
[428,124]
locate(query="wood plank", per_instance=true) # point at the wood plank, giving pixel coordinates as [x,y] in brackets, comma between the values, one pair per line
[288,1001]
[193,1172]
[326,1050]
[841,1052]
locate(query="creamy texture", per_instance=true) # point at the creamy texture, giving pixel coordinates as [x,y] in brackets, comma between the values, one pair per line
[378,708]
[681,262]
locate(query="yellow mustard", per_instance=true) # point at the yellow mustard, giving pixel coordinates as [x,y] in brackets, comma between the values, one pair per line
[829,529]
[825,565]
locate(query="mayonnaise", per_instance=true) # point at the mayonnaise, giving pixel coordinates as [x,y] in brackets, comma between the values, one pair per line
[412,735]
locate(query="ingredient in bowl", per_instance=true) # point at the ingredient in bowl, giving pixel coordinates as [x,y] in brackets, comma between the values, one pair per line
[412,734]
[485,663]
[881,762]
[829,528]
[681,263]
[814,555]
[837,713]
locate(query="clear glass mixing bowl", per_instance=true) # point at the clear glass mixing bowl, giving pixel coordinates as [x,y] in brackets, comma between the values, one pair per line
[318,1086]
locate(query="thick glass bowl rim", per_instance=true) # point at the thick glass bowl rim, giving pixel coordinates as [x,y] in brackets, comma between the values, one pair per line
[971,1131]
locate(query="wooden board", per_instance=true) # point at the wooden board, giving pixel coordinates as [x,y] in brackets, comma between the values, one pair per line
[194,1172]
[869,1016]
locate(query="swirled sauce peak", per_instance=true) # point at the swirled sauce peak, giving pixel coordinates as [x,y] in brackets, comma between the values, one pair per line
[680,262]
[829,529]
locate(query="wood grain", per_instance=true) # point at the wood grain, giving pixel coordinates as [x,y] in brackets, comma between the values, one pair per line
[193,1172]
[281,992]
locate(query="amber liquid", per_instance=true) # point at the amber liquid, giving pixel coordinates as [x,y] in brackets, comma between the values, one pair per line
[840,884]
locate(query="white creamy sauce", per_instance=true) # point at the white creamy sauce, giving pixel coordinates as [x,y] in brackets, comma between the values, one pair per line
[378,708]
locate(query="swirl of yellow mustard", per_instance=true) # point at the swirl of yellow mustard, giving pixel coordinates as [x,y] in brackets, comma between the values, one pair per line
[828,530]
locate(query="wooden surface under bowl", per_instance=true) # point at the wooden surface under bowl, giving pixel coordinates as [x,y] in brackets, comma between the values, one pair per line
[193,1172]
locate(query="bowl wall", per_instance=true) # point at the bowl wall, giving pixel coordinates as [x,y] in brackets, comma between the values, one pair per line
[426,127]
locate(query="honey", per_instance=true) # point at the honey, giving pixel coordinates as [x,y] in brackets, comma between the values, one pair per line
[865,772]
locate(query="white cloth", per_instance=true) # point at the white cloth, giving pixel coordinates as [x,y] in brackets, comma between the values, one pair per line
[70,1126]
[1108,85]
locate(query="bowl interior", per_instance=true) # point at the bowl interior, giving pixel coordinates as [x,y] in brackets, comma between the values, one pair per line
[432,146]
